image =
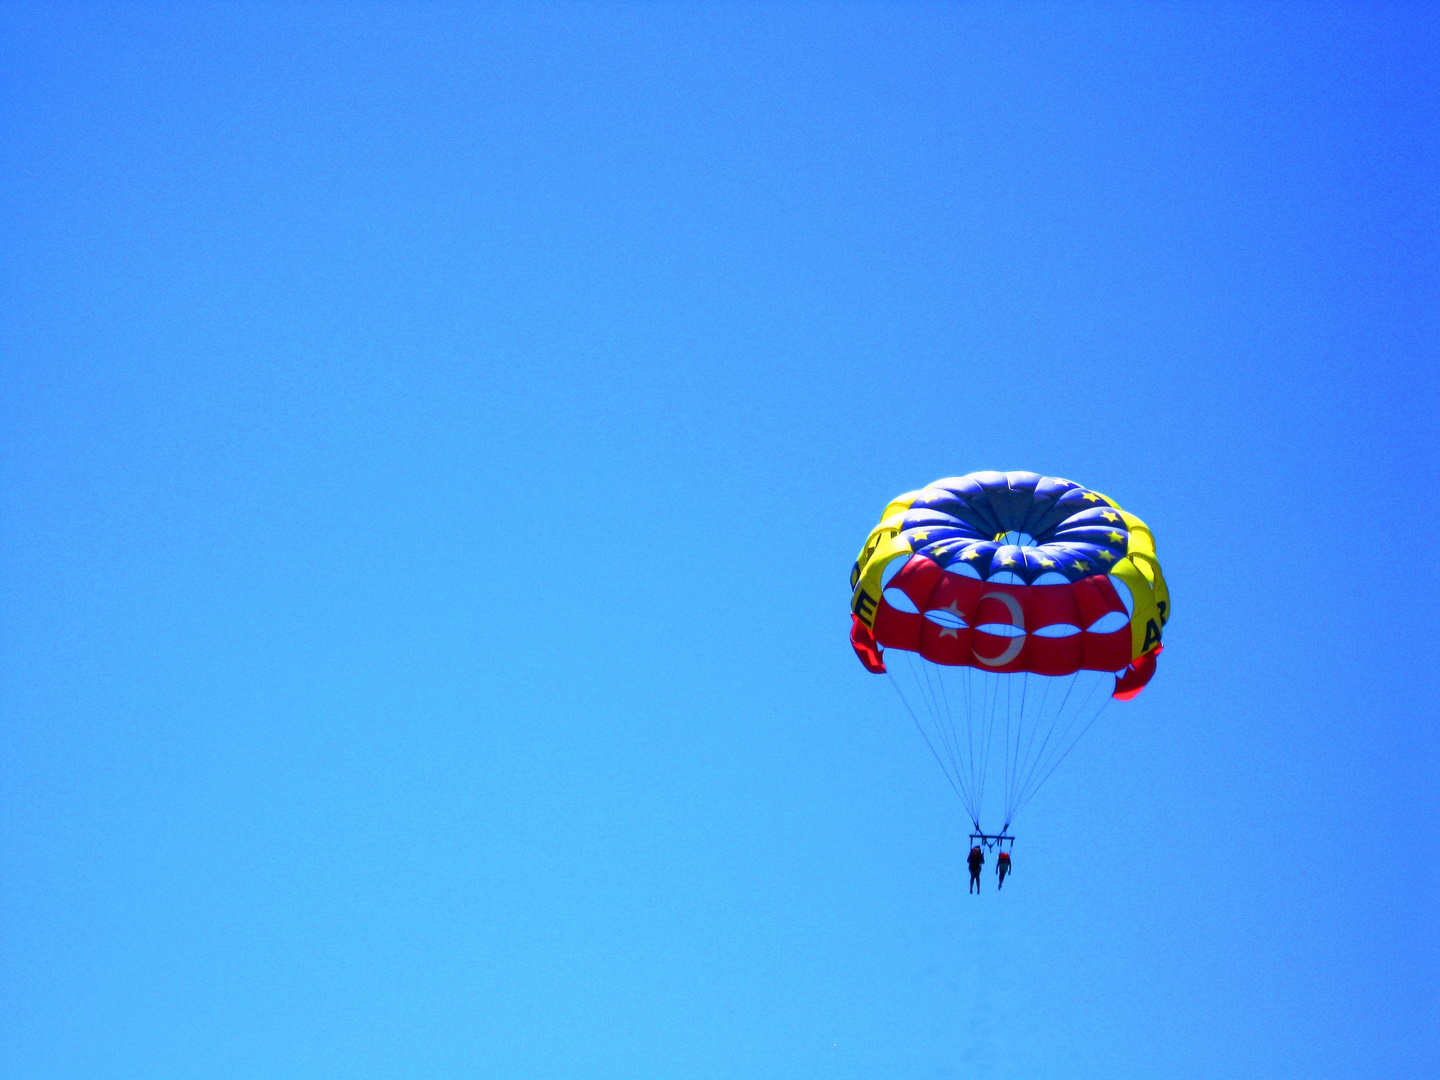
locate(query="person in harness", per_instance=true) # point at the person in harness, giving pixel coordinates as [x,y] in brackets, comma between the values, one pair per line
[1002,867]
[976,861]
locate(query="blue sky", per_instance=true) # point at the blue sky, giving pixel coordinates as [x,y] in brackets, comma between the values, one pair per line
[435,442]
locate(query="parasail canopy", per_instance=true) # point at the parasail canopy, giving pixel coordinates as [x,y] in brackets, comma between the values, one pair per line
[1013,602]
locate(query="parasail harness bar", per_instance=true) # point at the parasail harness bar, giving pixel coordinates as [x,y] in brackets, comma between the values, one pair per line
[987,840]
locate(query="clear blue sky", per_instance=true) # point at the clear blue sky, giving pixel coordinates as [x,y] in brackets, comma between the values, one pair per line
[435,441]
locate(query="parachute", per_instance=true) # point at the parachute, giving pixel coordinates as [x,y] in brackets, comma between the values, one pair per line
[1008,609]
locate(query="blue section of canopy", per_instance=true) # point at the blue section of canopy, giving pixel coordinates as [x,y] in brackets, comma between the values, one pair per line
[1016,523]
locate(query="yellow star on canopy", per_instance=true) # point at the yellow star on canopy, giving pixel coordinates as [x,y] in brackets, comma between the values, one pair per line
[1108,516]
[923,534]
[1116,537]
[1043,561]
[1105,554]
[973,553]
[1008,560]
[1092,497]
[1081,564]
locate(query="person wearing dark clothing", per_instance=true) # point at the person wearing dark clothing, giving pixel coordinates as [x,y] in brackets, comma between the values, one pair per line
[1002,867]
[976,860]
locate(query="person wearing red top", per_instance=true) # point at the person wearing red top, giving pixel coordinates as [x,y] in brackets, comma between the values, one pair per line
[1002,867]
[976,860]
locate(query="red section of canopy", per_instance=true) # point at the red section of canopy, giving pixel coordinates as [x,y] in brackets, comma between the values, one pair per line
[988,610]
[1134,678]
[865,647]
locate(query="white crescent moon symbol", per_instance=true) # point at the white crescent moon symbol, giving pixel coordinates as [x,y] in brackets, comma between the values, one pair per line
[1017,618]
